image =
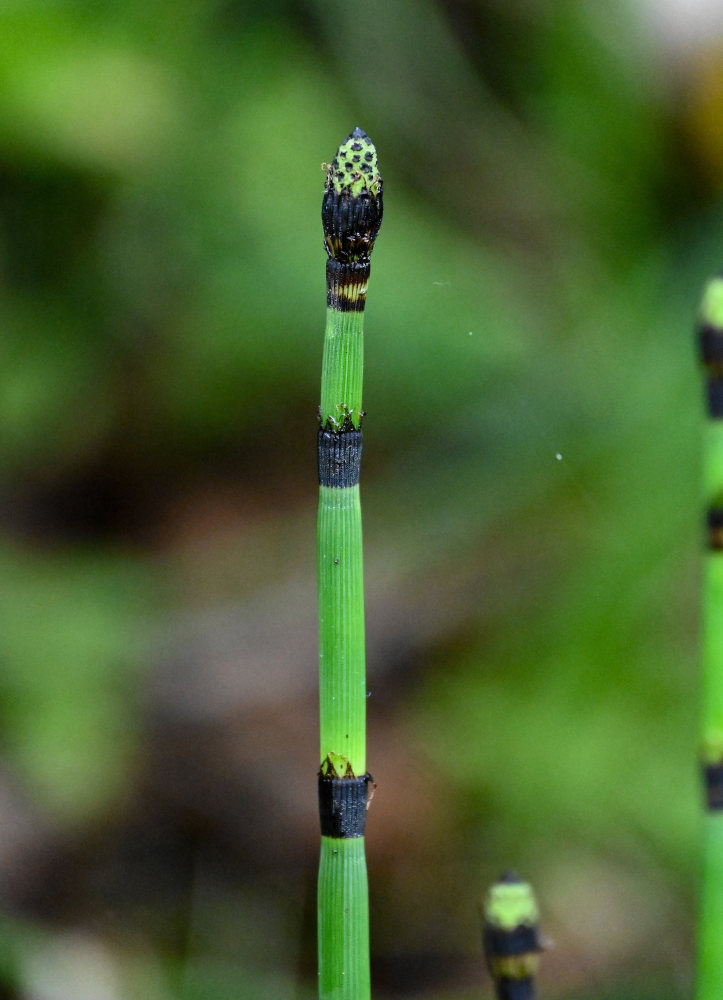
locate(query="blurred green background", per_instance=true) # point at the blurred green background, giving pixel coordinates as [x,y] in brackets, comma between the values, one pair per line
[554,201]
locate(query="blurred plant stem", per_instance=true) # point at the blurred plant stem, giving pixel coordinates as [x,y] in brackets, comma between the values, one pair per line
[511,937]
[710,943]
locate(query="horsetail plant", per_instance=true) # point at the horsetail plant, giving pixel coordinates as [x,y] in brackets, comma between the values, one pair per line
[351,214]
[511,938]
[710,928]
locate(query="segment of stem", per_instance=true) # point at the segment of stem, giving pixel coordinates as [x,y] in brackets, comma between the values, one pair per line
[342,674]
[342,369]
[343,925]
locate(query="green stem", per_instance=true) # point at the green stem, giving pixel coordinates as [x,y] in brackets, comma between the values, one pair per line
[351,216]
[342,368]
[710,929]
[710,963]
[712,751]
[342,674]
[343,919]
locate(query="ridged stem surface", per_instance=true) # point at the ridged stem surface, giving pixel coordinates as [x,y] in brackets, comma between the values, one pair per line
[342,674]
[342,367]
[343,920]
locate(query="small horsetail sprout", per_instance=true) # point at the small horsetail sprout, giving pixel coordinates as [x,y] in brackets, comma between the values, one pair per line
[710,929]
[511,937]
[351,215]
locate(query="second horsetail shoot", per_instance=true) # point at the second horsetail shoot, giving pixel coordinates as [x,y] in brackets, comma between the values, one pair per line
[710,930]
[351,215]
[511,937]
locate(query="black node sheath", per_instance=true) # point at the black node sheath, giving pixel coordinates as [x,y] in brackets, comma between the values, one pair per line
[713,776]
[343,806]
[715,396]
[339,458]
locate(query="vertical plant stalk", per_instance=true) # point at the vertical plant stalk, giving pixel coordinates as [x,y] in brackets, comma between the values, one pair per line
[710,927]
[511,937]
[351,214]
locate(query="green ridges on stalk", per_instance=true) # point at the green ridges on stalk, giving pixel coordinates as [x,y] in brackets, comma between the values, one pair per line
[710,932]
[351,216]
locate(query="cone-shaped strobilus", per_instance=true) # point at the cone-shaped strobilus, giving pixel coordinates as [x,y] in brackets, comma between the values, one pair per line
[709,984]
[351,214]
[511,937]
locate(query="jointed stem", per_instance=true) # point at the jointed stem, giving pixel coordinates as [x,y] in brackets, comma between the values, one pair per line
[710,939]
[351,215]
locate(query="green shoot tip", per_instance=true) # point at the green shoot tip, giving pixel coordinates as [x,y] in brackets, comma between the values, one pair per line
[712,749]
[710,312]
[511,903]
[354,169]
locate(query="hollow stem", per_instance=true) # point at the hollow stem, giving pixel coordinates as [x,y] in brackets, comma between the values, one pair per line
[351,216]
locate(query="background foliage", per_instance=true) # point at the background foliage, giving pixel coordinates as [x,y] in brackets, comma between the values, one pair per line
[553,179]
